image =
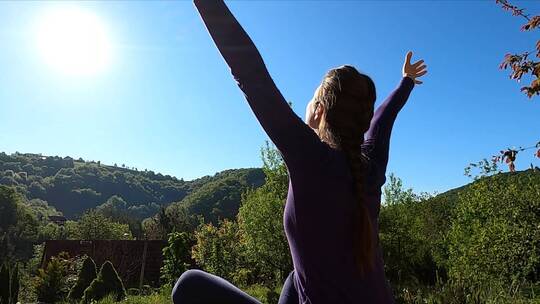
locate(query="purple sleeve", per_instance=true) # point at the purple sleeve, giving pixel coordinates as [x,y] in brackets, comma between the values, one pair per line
[377,138]
[288,132]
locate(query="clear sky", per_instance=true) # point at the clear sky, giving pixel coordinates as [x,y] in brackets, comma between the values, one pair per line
[165,101]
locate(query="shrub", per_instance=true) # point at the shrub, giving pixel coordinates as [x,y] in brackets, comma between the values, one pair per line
[495,234]
[176,256]
[51,283]
[263,293]
[106,283]
[87,274]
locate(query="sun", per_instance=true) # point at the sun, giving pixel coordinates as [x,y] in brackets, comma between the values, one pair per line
[73,41]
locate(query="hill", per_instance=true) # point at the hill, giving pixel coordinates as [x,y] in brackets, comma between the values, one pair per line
[73,186]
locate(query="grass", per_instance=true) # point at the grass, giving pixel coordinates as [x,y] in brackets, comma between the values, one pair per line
[163,295]
[159,296]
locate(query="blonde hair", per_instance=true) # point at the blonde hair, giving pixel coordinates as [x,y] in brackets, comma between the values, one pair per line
[348,98]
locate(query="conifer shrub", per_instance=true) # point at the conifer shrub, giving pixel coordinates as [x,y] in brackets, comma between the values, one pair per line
[87,274]
[106,283]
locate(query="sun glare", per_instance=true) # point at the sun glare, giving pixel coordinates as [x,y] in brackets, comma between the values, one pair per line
[73,41]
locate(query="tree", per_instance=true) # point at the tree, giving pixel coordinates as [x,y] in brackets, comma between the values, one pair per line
[494,235]
[116,209]
[394,193]
[402,225]
[522,64]
[95,226]
[8,208]
[18,226]
[176,256]
[260,221]
[218,249]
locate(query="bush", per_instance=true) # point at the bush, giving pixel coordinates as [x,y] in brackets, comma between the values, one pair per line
[106,283]
[263,293]
[176,256]
[218,249]
[405,229]
[495,233]
[51,283]
[87,274]
[27,293]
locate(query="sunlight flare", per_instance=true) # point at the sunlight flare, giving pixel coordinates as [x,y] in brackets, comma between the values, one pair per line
[73,41]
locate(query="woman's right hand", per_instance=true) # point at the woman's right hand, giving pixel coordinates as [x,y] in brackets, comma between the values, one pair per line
[414,70]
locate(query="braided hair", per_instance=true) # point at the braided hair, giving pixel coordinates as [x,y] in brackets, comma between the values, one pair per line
[348,98]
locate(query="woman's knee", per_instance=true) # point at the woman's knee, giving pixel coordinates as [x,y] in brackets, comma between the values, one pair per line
[188,286]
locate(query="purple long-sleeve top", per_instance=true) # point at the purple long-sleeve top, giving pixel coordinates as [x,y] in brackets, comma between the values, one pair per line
[318,217]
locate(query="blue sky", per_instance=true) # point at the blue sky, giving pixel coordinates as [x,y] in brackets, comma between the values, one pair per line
[166,101]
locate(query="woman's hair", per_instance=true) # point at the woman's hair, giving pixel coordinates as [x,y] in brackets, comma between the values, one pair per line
[348,98]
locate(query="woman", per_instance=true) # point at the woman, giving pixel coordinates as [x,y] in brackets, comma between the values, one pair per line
[335,176]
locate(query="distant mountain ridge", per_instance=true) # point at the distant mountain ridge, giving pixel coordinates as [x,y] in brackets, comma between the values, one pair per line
[74,185]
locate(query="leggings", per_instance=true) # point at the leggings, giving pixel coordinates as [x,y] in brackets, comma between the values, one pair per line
[199,287]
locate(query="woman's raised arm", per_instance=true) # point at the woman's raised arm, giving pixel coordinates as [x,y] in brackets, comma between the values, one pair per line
[288,132]
[377,138]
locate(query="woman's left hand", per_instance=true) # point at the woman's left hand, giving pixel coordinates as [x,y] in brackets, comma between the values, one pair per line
[414,70]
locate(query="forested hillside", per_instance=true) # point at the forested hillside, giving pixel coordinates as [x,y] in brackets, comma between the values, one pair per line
[74,186]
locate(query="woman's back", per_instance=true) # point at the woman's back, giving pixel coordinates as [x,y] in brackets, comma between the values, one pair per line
[319,223]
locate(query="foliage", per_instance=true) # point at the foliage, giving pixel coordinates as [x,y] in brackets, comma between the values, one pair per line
[86,275]
[61,181]
[176,256]
[491,167]
[218,249]
[118,210]
[252,249]
[263,293]
[107,283]
[220,199]
[51,284]
[474,244]
[18,226]
[160,296]
[407,250]
[495,232]
[31,266]
[168,220]
[522,64]
[95,226]
[460,292]
[485,167]
[260,221]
